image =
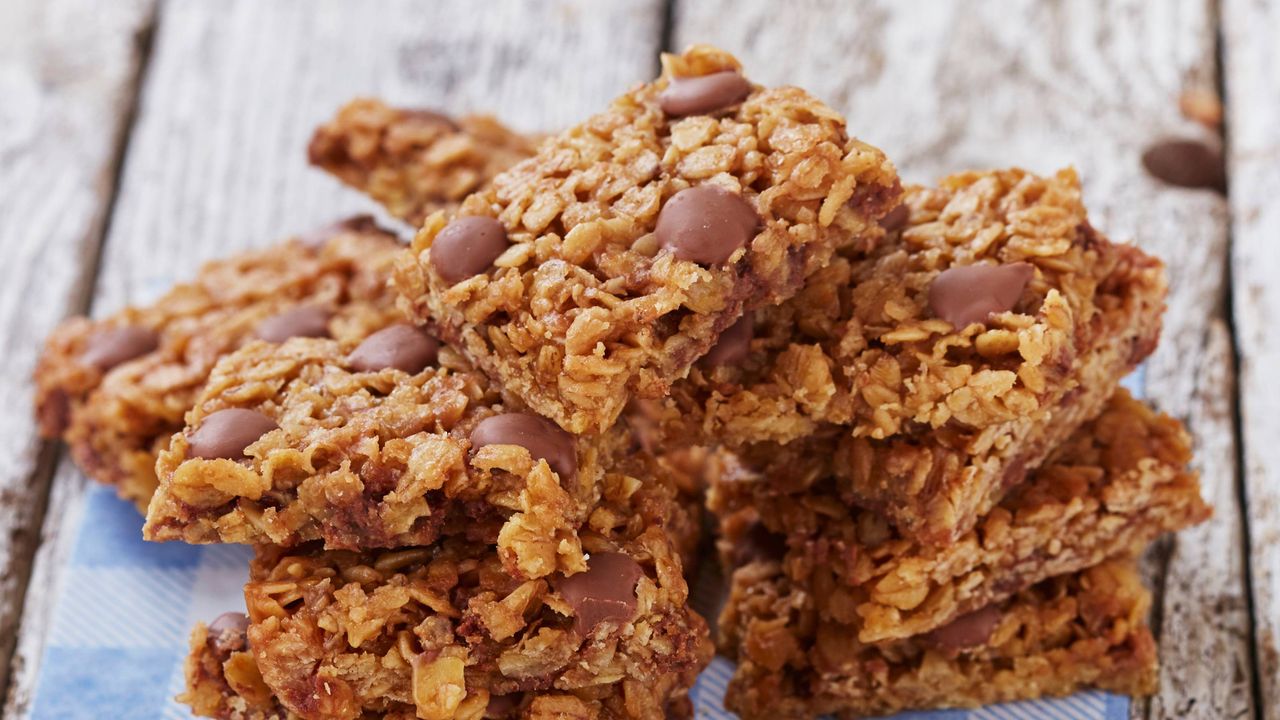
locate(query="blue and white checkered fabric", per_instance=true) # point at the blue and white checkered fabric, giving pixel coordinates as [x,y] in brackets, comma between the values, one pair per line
[125,607]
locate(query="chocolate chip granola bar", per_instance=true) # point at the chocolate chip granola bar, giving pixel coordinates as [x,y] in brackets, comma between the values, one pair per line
[1118,483]
[990,323]
[116,388]
[320,440]
[1069,633]
[414,161]
[448,632]
[603,266]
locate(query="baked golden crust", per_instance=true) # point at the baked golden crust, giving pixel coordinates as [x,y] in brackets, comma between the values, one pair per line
[1056,638]
[374,459]
[585,309]
[1118,483]
[941,421]
[414,162]
[115,421]
[437,632]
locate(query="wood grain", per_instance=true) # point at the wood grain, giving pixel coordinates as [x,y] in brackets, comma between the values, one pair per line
[949,86]
[67,76]
[1252,72]
[216,160]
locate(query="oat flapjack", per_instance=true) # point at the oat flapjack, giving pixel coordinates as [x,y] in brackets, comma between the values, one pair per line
[946,393]
[116,388]
[602,267]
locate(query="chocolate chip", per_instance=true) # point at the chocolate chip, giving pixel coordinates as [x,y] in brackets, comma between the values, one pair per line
[758,543]
[304,321]
[227,632]
[703,94]
[971,293]
[706,224]
[226,433]
[467,247]
[896,219]
[966,631]
[542,438]
[424,116]
[1186,163]
[606,591]
[236,622]
[403,347]
[733,345]
[354,224]
[108,348]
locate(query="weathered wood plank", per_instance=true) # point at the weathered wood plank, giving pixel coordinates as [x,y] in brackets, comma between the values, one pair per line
[216,160]
[67,76]
[948,86]
[1252,72]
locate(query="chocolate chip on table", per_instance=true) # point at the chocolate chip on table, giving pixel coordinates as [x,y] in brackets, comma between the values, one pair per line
[971,293]
[542,438]
[706,224]
[606,591]
[1186,163]
[467,247]
[402,346]
[226,433]
[966,631]
[896,219]
[316,237]
[733,345]
[108,348]
[703,94]
[304,321]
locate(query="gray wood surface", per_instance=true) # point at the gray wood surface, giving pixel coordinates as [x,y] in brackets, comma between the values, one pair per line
[214,161]
[67,72]
[1250,29]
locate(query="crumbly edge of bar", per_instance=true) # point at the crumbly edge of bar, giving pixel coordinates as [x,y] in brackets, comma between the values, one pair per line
[116,422]
[1069,633]
[414,162]
[338,631]
[584,309]
[1117,484]
[373,459]
[859,345]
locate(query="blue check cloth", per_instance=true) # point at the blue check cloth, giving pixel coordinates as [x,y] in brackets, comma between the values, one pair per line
[125,608]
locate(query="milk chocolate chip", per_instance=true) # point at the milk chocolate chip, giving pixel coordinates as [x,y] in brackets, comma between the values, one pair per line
[304,321]
[403,347]
[542,438]
[108,348]
[1186,163]
[966,631]
[606,591]
[896,219]
[703,94]
[706,224]
[354,224]
[226,433]
[227,631]
[971,293]
[733,345]
[467,247]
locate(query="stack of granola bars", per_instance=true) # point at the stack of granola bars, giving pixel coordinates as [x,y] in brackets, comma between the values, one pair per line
[471,467]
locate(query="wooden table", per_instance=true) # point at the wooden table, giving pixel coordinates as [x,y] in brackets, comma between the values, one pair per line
[139,137]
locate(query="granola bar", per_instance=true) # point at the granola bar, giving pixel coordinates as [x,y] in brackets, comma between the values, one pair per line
[604,266]
[1118,483]
[947,393]
[415,161]
[447,631]
[1072,632]
[323,444]
[116,388]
